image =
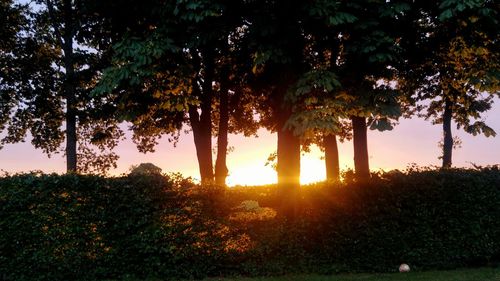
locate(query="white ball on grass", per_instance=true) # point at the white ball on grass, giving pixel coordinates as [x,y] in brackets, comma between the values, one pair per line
[404,268]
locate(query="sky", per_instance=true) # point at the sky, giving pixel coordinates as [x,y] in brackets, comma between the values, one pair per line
[412,141]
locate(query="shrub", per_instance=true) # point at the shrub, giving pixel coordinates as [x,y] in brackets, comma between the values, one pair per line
[428,218]
[75,227]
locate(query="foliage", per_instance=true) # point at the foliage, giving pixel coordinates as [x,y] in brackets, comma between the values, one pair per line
[174,69]
[145,169]
[41,96]
[154,226]
[91,228]
[357,49]
[452,66]
[428,218]
[28,95]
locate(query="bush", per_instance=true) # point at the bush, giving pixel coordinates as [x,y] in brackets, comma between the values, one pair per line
[76,227]
[427,218]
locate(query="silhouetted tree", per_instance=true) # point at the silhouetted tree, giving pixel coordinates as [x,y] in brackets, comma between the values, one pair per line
[453,64]
[54,65]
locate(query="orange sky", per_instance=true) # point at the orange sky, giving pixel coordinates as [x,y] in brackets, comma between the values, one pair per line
[413,141]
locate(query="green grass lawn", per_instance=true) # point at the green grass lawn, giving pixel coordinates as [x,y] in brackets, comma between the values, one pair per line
[480,274]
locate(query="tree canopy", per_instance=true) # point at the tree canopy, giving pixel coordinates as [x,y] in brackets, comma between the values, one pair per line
[313,72]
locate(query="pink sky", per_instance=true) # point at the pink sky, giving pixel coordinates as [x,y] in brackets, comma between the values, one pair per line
[412,141]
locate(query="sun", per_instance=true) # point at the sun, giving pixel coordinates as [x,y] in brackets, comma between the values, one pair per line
[252,171]
[312,169]
[248,174]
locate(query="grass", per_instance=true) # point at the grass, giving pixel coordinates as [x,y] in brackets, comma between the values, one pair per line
[478,274]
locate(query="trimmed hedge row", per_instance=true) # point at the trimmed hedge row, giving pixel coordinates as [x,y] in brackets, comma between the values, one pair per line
[430,219]
[76,227]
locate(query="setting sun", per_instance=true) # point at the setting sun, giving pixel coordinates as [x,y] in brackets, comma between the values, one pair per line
[255,173]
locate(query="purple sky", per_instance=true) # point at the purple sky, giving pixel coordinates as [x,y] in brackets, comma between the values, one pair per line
[412,141]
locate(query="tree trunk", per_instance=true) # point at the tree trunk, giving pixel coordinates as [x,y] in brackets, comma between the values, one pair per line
[203,144]
[361,161]
[69,89]
[288,159]
[288,156]
[288,168]
[202,123]
[220,164]
[447,136]
[331,157]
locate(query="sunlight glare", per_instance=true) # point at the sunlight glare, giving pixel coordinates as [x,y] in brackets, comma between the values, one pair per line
[251,175]
[312,169]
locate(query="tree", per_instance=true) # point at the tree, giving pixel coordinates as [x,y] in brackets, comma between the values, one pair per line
[328,144]
[369,54]
[12,21]
[65,28]
[453,65]
[157,75]
[275,38]
[235,105]
[49,81]
[221,170]
[332,162]
[145,169]
[35,105]
[176,61]
[352,51]
[224,65]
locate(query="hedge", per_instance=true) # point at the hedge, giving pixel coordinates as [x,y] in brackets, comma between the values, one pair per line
[75,227]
